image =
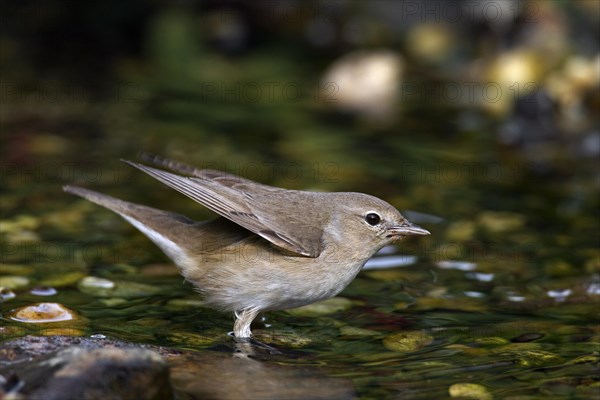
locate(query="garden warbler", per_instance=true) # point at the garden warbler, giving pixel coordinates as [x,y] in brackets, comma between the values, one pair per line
[271,248]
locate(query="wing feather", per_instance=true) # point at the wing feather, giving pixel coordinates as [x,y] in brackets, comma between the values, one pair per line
[251,210]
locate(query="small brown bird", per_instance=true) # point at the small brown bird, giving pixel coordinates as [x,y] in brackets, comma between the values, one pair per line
[272,248]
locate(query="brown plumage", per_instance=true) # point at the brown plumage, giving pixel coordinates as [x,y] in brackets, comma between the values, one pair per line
[271,248]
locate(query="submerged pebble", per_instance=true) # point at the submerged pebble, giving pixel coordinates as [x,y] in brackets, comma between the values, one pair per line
[106,288]
[95,282]
[42,312]
[407,341]
[469,391]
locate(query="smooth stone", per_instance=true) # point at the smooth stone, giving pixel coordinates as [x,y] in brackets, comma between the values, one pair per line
[13,282]
[42,312]
[43,291]
[407,341]
[470,391]
[95,282]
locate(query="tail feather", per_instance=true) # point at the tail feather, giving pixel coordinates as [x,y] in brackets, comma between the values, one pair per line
[162,227]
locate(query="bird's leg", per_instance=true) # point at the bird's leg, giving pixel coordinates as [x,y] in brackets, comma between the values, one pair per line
[243,319]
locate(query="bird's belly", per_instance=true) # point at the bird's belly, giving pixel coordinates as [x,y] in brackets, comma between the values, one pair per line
[275,283]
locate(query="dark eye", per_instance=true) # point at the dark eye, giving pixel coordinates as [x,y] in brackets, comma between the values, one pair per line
[372,219]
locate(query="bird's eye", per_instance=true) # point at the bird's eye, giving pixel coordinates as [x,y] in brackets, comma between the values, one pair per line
[372,219]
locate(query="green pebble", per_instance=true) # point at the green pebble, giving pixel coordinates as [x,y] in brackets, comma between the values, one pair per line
[470,391]
[68,279]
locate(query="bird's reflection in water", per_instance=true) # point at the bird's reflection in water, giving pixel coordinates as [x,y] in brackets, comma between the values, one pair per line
[252,370]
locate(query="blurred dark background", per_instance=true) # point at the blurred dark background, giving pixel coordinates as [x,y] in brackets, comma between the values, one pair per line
[433,105]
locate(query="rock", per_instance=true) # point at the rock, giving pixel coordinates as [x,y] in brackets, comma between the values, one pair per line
[42,312]
[100,368]
[74,373]
[67,367]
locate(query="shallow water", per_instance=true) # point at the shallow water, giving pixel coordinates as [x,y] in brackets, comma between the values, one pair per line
[507,300]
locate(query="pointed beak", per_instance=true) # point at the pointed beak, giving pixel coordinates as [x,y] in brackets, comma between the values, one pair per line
[406,229]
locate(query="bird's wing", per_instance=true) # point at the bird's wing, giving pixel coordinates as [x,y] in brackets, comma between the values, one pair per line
[259,208]
[224,178]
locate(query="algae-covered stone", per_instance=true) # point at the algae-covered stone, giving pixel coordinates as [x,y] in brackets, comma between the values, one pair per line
[13,281]
[470,391]
[534,358]
[324,307]
[407,341]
